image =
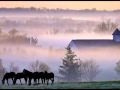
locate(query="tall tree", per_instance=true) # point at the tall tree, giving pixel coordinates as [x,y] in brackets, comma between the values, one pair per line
[70,68]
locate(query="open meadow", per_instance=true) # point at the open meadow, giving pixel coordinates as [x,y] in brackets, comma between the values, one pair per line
[69,85]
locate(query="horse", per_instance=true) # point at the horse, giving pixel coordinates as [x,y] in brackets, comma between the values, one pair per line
[29,75]
[42,77]
[8,76]
[19,76]
[49,76]
[36,77]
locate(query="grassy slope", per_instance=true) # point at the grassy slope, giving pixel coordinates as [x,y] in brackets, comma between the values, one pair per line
[63,85]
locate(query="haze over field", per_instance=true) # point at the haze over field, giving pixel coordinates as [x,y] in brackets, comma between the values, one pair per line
[54,29]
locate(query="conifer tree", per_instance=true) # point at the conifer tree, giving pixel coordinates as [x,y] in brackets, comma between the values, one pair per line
[70,68]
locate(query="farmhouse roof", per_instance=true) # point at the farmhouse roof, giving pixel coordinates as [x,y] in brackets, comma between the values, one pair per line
[97,42]
[116,32]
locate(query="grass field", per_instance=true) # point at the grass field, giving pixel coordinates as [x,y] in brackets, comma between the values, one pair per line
[69,85]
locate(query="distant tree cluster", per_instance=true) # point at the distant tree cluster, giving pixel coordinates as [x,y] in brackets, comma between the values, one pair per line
[106,26]
[38,66]
[14,37]
[57,9]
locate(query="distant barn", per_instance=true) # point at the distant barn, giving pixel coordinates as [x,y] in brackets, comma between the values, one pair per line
[77,43]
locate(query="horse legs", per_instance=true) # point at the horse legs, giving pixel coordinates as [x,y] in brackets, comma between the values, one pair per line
[29,81]
[52,79]
[44,80]
[20,81]
[25,80]
[38,81]
[35,81]
[13,81]
[47,81]
[7,81]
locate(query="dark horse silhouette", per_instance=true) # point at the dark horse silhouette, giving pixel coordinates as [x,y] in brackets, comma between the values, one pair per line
[49,76]
[31,75]
[42,77]
[8,76]
[39,75]
[19,76]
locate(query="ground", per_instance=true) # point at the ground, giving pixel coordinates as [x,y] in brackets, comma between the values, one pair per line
[69,85]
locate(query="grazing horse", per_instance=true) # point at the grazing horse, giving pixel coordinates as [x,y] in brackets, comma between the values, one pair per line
[42,77]
[19,76]
[49,76]
[29,75]
[7,76]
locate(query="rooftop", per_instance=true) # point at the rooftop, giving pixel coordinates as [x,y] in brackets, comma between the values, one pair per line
[94,42]
[116,32]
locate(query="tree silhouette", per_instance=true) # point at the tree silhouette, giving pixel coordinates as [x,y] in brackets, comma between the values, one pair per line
[106,26]
[70,68]
[91,70]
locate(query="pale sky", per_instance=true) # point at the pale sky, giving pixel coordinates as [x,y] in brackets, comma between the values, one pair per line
[99,5]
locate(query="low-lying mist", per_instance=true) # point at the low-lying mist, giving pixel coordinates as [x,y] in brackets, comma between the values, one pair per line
[105,57]
[54,33]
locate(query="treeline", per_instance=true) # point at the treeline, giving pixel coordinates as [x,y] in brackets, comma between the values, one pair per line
[14,37]
[57,9]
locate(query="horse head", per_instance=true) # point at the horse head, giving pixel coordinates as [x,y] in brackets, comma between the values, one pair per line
[24,71]
[3,81]
[46,72]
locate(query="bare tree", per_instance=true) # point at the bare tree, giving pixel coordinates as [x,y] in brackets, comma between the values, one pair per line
[38,66]
[13,68]
[91,70]
[81,70]
[117,68]
[106,26]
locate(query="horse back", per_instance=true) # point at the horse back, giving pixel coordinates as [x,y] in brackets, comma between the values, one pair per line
[51,75]
[9,75]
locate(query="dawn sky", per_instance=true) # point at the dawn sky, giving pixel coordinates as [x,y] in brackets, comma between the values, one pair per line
[99,5]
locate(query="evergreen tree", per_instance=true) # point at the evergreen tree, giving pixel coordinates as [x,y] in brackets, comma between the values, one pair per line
[70,68]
